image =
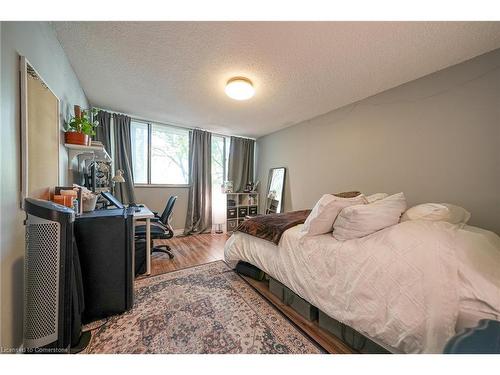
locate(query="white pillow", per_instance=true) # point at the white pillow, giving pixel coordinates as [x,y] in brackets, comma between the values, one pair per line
[458,214]
[376,197]
[437,212]
[322,216]
[362,220]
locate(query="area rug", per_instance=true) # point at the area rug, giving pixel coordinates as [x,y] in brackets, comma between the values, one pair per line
[203,309]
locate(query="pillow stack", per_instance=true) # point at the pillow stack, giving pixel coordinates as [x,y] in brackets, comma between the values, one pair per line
[376,197]
[352,215]
[324,213]
[361,220]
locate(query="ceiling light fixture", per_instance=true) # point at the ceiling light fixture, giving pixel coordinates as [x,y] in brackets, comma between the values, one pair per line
[239,88]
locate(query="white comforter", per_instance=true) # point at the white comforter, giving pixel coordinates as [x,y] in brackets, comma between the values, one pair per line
[402,286]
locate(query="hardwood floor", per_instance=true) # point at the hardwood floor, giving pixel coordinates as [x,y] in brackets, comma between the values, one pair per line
[189,251]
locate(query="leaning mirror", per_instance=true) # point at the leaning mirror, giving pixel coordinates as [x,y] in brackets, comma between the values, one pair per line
[275,188]
[39,135]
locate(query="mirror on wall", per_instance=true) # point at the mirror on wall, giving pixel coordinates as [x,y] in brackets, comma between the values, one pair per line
[275,189]
[39,135]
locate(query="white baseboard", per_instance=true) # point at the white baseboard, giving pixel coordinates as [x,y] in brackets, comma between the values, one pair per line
[178,232]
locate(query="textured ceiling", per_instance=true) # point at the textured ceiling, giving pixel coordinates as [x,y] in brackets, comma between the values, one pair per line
[175,72]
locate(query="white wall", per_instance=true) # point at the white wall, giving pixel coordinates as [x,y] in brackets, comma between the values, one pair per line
[37,41]
[156,198]
[437,139]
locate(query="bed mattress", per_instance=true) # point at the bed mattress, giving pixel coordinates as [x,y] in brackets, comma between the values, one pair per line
[409,287]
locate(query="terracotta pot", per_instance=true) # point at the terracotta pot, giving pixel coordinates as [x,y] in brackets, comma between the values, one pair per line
[75,138]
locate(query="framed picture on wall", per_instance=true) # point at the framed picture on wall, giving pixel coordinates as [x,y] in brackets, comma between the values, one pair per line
[40,135]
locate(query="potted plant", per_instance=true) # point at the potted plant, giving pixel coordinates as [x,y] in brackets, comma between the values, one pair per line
[80,128]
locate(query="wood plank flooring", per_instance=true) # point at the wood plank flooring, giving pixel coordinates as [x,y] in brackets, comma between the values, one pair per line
[189,251]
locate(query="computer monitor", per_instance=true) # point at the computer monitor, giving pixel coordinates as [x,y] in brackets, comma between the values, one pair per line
[112,199]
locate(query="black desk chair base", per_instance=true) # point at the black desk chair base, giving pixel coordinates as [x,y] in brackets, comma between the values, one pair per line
[163,249]
[161,229]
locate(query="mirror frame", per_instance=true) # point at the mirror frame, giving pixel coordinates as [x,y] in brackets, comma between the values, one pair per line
[282,188]
[23,74]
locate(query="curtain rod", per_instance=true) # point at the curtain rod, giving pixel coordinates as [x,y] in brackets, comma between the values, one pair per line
[140,119]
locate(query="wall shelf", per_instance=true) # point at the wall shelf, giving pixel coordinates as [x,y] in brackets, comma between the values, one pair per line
[98,153]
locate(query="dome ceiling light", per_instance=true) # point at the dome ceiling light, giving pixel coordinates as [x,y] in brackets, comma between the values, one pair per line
[239,88]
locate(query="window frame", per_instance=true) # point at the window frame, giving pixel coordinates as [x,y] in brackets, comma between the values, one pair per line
[149,153]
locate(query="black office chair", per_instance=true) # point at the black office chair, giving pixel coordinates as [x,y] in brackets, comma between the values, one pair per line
[160,228]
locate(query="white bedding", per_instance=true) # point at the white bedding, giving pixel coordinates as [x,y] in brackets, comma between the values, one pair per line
[403,286]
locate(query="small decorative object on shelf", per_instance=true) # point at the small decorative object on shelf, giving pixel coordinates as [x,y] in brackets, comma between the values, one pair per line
[255,187]
[228,187]
[80,128]
[249,188]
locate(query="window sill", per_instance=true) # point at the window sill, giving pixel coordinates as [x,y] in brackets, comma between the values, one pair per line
[161,186]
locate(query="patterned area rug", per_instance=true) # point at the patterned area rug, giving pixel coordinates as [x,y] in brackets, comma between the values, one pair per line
[203,309]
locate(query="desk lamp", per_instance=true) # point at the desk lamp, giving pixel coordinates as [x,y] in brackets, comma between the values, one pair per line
[117,179]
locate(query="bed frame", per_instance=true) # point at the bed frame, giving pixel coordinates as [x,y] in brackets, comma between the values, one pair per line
[334,336]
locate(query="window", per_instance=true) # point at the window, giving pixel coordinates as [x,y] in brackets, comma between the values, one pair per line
[139,139]
[160,154]
[220,153]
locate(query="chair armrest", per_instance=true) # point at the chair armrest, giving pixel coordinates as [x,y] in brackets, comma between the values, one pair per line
[158,224]
[152,219]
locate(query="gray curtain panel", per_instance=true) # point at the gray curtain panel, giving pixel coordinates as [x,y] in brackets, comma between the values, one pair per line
[103,131]
[241,162]
[123,158]
[199,214]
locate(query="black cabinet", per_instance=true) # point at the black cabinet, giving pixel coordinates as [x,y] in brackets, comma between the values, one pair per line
[105,241]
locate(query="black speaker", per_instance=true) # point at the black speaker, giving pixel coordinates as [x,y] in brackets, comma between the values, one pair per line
[53,291]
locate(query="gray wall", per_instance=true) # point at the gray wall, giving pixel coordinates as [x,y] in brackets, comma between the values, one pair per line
[37,41]
[156,198]
[437,139]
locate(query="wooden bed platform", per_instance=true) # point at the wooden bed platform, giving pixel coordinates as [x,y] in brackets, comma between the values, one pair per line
[329,342]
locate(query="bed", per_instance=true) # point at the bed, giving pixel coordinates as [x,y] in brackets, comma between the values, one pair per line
[409,287]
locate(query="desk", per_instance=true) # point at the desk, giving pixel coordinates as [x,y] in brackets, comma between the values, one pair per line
[145,213]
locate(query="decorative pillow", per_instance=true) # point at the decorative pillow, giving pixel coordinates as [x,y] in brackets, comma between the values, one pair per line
[437,212]
[322,216]
[362,220]
[347,194]
[376,197]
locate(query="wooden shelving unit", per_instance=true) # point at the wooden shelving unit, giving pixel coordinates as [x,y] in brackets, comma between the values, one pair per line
[240,205]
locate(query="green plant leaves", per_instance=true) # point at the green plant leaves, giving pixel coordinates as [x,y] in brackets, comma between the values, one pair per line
[82,124]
